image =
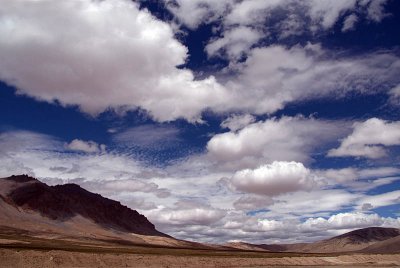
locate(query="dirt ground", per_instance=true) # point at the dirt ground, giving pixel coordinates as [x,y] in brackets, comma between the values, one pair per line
[60,258]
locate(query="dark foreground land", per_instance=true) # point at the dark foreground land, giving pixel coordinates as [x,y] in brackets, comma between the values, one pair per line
[26,251]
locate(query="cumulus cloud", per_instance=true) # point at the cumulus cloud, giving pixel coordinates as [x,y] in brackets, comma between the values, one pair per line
[368,139]
[284,139]
[87,59]
[85,146]
[274,179]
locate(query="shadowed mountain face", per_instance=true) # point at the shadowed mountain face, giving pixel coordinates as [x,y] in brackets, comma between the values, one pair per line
[63,202]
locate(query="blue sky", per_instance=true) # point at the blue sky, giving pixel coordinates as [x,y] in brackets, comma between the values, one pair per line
[260,121]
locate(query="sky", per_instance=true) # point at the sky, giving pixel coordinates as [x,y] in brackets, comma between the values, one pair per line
[259,121]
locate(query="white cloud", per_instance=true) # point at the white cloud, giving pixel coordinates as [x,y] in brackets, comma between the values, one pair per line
[251,12]
[273,76]
[123,185]
[376,9]
[285,139]
[252,202]
[286,17]
[368,139]
[46,157]
[234,43]
[237,122]
[186,213]
[327,12]
[304,203]
[380,200]
[349,23]
[351,174]
[148,136]
[85,146]
[395,94]
[195,12]
[274,179]
[345,221]
[97,63]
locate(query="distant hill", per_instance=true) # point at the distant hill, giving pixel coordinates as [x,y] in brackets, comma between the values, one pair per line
[352,241]
[372,239]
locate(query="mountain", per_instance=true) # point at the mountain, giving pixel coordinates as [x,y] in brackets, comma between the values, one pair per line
[63,202]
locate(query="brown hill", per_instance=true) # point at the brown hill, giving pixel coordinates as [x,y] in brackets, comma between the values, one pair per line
[351,241]
[391,245]
[372,239]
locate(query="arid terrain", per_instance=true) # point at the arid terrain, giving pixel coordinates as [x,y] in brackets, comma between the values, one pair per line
[67,226]
[24,251]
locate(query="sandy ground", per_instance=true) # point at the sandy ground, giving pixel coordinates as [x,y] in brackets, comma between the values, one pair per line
[59,258]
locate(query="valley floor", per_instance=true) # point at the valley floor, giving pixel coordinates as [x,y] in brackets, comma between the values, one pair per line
[16,255]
